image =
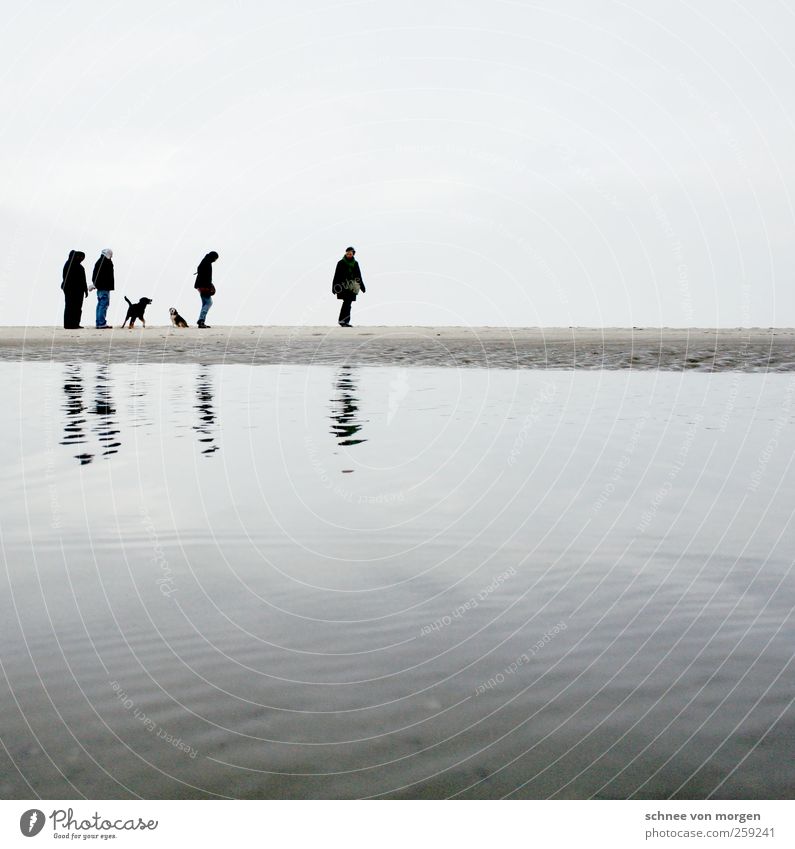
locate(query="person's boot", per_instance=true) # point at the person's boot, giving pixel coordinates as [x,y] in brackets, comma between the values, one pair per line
[203,325]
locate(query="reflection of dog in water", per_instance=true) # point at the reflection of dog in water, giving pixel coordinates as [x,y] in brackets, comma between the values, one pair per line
[136,311]
[176,319]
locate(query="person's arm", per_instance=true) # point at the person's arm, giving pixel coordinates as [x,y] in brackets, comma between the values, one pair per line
[336,279]
[95,275]
[361,279]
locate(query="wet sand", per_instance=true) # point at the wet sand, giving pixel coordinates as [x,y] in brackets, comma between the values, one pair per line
[672,349]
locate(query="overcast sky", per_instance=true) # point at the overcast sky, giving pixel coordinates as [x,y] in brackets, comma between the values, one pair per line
[493,163]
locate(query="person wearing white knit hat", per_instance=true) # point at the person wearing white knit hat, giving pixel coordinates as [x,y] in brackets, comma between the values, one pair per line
[102,280]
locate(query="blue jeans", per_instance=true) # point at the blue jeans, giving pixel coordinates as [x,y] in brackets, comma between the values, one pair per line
[207,302]
[103,302]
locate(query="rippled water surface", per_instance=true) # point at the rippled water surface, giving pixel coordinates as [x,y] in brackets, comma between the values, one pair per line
[311,581]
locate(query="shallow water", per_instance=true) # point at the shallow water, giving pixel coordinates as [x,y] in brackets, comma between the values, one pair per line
[274,581]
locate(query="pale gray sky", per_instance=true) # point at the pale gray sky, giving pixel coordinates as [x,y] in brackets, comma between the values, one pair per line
[500,163]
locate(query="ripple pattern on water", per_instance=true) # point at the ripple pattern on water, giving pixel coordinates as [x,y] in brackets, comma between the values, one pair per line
[289,581]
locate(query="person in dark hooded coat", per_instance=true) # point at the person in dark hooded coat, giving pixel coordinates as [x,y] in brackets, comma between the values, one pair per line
[347,283]
[75,289]
[204,283]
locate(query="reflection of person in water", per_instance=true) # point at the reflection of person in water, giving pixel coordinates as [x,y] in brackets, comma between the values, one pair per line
[204,405]
[345,409]
[104,426]
[73,431]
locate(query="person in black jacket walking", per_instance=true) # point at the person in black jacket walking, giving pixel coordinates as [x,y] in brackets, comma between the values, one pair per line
[73,283]
[204,283]
[347,284]
[102,280]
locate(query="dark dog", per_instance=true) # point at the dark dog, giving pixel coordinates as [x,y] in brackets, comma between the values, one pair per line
[176,319]
[136,311]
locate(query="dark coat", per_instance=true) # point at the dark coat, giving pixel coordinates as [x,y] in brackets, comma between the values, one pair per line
[102,275]
[204,273]
[342,273]
[73,280]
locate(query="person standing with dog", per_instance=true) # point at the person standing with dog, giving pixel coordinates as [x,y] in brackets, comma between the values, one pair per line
[347,284]
[204,283]
[73,284]
[103,281]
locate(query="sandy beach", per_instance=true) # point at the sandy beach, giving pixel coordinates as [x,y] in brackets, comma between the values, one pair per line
[699,349]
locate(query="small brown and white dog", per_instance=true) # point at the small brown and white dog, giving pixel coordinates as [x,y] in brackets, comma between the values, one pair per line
[176,319]
[136,311]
